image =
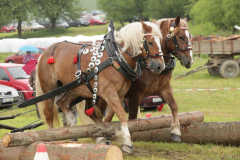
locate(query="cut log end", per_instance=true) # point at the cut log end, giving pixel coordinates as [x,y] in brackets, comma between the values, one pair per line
[6,140]
[114,152]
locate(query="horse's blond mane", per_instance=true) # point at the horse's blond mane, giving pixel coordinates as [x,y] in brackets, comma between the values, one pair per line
[131,36]
[182,23]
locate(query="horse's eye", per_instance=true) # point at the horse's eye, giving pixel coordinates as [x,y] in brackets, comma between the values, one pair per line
[182,38]
[150,43]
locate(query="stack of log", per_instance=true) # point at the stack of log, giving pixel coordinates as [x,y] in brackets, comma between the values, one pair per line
[193,130]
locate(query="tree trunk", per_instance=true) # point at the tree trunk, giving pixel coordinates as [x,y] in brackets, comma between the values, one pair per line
[64,150]
[97,130]
[204,132]
[19,28]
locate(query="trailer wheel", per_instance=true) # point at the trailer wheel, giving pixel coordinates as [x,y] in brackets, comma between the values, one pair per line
[229,69]
[213,71]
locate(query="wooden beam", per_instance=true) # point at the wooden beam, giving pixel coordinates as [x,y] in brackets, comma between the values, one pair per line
[97,130]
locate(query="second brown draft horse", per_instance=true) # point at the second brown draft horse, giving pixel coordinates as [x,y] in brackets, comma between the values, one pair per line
[176,41]
[133,42]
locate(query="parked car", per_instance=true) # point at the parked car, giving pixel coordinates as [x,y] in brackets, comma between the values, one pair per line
[59,23]
[18,57]
[7,29]
[8,96]
[148,102]
[14,76]
[31,26]
[78,22]
[96,12]
[94,20]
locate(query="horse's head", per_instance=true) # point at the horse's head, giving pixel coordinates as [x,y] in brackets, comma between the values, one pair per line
[151,47]
[177,40]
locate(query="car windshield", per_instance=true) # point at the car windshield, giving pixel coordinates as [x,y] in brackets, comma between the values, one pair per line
[18,73]
[97,18]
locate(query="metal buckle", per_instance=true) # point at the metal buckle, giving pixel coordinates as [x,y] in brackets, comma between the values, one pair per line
[78,73]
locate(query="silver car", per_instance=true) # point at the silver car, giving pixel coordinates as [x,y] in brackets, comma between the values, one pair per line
[8,96]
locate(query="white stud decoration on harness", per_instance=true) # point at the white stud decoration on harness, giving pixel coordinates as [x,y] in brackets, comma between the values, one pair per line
[98,46]
[91,65]
[94,58]
[88,70]
[95,53]
[94,90]
[92,49]
[96,69]
[95,84]
[94,96]
[95,77]
[100,54]
[97,62]
[102,48]
[85,51]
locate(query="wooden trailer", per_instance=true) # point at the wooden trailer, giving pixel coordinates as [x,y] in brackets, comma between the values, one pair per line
[224,54]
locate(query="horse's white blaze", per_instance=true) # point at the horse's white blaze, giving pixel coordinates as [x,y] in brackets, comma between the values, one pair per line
[125,135]
[157,40]
[191,53]
[71,119]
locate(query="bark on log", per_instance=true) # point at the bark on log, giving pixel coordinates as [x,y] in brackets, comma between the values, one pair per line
[97,130]
[63,150]
[205,132]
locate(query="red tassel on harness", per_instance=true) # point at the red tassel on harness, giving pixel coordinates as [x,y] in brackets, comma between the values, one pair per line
[75,60]
[50,60]
[89,112]
[160,107]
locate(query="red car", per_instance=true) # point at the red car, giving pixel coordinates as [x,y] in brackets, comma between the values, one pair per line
[18,57]
[94,20]
[148,102]
[14,76]
[7,29]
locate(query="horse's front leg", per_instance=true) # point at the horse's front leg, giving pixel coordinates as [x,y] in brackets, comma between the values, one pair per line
[167,95]
[122,131]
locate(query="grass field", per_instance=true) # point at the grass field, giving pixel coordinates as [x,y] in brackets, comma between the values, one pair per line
[217,106]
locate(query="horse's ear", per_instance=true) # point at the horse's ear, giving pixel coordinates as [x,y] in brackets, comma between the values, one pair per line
[177,21]
[185,19]
[154,21]
[146,28]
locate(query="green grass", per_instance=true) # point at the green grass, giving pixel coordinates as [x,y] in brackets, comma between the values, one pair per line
[217,106]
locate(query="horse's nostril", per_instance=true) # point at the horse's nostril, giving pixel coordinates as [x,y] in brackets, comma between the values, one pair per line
[159,68]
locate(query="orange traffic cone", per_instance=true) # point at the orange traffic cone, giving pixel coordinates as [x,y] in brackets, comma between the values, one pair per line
[41,153]
[148,115]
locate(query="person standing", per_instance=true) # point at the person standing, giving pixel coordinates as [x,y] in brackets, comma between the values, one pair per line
[28,57]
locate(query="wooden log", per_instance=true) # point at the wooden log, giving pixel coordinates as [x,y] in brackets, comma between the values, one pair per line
[97,130]
[204,132]
[64,150]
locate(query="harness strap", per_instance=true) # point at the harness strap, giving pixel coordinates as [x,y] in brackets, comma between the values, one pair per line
[64,88]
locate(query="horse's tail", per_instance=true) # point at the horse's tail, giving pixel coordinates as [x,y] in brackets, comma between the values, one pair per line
[81,113]
[41,105]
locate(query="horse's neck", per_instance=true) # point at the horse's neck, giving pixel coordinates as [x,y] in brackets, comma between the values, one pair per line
[131,62]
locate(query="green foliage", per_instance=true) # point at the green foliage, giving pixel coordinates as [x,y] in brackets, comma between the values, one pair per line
[223,14]
[123,10]
[167,9]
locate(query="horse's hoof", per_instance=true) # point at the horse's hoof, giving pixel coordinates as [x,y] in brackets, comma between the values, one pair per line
[73,140]
[175,138]
[108,143]
[127,149]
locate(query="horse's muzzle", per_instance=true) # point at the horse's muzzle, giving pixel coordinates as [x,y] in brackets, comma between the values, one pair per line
[157,67]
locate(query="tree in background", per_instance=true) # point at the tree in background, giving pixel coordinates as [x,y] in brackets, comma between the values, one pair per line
[167,8]
[221,14]
[16,10]
[123,10]
[54,9]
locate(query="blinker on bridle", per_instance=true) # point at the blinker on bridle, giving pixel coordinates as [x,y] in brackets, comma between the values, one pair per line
[145,46]
[171,34]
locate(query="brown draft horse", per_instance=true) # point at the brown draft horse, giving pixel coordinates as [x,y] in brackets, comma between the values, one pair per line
[160,84]
[112,85]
